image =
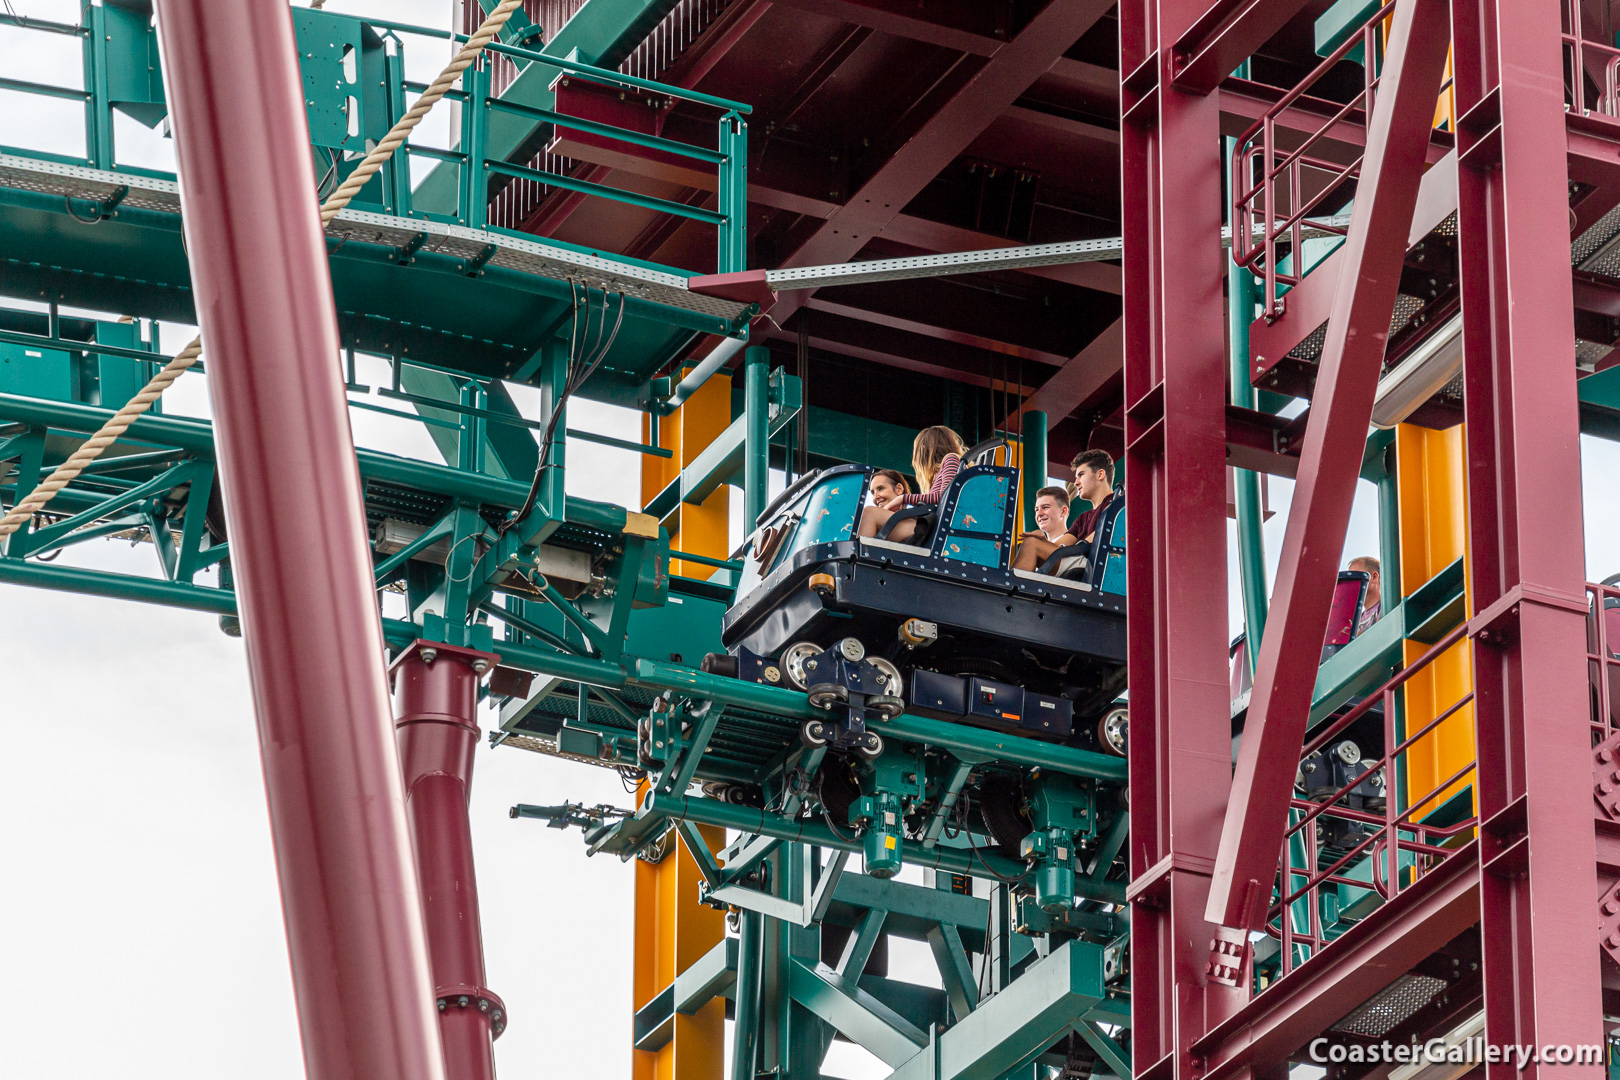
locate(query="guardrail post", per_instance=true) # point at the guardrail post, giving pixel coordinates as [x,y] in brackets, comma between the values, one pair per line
[756,444]
[733,194]
[474,132]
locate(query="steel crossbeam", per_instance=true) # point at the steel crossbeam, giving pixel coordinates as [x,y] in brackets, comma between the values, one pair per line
[1352,356]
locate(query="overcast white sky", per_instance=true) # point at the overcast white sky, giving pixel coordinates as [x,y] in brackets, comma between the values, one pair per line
[143,926]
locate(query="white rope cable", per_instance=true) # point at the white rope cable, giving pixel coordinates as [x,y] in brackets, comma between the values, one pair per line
[120,421]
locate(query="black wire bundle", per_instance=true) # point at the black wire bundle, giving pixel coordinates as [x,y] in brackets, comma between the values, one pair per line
[578,373]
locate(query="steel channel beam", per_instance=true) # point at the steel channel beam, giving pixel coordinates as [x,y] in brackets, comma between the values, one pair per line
[1352,357]
[1175,495]
[308,604]
[1542,980]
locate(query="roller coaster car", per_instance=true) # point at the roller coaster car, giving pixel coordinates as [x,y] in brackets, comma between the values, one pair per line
[936,626]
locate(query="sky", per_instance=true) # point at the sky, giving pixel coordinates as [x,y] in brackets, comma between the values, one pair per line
[144,935]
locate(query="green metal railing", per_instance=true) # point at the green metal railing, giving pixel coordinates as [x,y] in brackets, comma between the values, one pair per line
[120,72]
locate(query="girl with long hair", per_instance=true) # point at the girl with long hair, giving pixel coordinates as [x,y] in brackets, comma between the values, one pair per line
[936,456]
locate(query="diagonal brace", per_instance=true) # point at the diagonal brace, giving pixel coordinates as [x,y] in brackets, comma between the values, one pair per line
[1358,329]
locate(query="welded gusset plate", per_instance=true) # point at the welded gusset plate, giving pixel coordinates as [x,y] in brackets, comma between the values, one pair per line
[360,226]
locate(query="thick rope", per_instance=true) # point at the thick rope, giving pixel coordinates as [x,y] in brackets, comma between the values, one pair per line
[65,473]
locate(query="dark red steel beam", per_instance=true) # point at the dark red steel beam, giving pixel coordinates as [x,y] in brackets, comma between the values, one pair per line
[897,24]
[938,333]
[938,141]
[436,706]
[1538,897]
[1082,376]
[300,555]
[1330,464]
[714,44]
[1175,496]
[1226,34]
[1364,960]
[898,348]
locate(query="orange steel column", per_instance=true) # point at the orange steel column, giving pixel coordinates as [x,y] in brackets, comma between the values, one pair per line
[1431,487]
[672,930]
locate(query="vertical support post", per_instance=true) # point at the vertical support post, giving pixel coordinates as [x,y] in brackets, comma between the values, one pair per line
[475,120]
[1175,461]
[1542,982]
[98,136]
[436,698]
[1240,294]
[750,970]
[757,445]
[733,195]
[1389,534]
[307,601]
[1033,461]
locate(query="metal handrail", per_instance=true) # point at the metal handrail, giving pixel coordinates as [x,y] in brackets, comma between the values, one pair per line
[1396,831]
[471,202]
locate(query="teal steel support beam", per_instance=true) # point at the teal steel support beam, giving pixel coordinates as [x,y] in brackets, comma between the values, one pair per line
[856,1014]
[750,975]
[1389,534]
[1034,461]
[732,183]
[713,975]
[1240,298]
[757,443]
[1019,1022]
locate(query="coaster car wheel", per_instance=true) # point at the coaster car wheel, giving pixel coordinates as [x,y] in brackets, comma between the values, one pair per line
[813,734]
[793,658]
[870,746]
[826,695]
[893,685]
[1001,800]
[888,707]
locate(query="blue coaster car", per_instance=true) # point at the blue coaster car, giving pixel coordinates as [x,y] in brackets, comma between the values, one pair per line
[936,626]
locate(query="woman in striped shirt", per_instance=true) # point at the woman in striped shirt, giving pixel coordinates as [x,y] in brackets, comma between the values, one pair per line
[936,455]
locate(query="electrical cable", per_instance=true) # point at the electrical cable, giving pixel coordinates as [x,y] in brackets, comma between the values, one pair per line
[578,376]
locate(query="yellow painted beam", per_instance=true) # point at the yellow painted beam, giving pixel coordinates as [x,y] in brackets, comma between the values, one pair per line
[672,930]
[1432,489]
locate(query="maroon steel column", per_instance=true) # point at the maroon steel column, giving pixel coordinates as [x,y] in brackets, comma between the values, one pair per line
[298,542]
[435,702]
[1175,484]
[1538,895]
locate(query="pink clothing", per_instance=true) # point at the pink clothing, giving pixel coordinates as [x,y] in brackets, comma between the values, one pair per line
[942,480]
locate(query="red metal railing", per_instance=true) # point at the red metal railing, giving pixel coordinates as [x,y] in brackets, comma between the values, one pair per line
[1591,66]
[1388,835]
[1278,194]
[1603,658]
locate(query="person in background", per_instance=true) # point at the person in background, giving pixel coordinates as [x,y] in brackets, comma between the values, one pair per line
[936,457]
[1370,605]
[888,484]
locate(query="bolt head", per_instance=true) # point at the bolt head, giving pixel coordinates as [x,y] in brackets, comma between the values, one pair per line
[480,666]
[429,655]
